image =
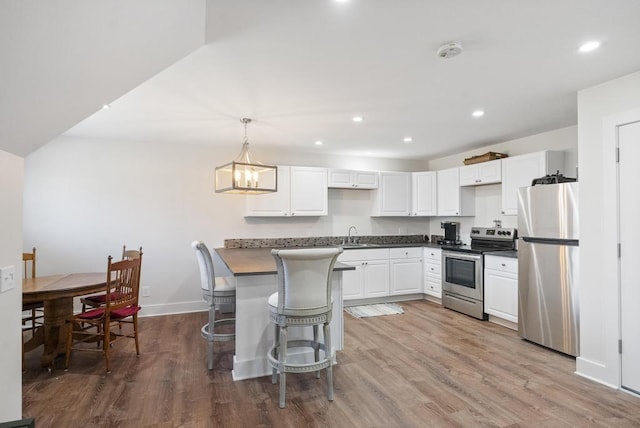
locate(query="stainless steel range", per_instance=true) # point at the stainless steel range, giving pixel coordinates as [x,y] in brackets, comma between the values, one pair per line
[463,269]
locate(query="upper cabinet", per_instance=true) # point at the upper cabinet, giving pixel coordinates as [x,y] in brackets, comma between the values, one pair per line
[393,196]
[349,179]
[424,193]
[519,171]
[481,173]
[454,200]
[302,191]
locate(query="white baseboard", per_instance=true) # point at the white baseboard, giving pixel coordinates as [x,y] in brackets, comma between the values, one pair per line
[173,308]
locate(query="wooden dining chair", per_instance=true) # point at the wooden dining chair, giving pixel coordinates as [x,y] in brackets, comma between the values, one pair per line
[121,306]
[32,313]
[97,300]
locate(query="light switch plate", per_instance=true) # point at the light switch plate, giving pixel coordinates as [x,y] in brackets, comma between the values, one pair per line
[7,278]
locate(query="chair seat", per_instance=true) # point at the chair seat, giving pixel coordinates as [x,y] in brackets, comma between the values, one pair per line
[273,307]
[115,314]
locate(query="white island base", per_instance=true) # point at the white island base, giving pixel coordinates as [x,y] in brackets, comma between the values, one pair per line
[254,331]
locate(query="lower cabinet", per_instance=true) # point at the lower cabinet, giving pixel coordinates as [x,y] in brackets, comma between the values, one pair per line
[405,266]
[371,276]
[501,287]
[433,272]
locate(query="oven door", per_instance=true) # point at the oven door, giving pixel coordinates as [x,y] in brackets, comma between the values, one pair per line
[462,274]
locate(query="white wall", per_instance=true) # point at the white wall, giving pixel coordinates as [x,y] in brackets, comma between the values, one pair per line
[11,176]
[84,199]
[599,296]
[489,197]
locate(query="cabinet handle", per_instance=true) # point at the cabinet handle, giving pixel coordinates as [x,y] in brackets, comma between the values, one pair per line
[503,265]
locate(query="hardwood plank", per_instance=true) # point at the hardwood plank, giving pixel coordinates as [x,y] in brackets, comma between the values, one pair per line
[427,367]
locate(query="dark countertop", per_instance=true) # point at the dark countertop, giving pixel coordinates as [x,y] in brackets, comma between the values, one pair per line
[256,261]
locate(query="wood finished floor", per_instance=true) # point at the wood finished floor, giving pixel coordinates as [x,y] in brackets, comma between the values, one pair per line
[429,367]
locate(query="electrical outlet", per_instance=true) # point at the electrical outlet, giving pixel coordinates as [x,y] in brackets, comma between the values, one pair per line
[7,278]
[146,291]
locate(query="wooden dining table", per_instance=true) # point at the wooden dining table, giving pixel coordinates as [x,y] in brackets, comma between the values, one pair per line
[57,293]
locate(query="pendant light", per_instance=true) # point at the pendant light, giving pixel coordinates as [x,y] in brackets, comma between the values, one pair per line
[245,175]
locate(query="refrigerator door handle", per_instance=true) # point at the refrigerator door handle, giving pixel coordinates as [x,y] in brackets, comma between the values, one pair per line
[551,241]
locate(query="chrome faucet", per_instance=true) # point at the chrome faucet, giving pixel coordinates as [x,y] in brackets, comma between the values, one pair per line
[351,240]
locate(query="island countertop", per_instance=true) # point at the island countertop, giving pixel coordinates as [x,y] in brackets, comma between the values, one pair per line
[256,261]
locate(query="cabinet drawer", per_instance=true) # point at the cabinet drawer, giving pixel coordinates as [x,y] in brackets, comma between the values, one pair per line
[503,264]
[432,268]
[369,254]
[433,254]
[406,253]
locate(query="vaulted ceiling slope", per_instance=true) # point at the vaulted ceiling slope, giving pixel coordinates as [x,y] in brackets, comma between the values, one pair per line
[61,61]
[303,69]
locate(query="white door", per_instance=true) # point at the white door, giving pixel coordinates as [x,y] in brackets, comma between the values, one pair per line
[629,211]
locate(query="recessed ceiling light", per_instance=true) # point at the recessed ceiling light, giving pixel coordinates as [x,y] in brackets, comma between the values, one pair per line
[341,1]
[319,143]
[357,119]
[589,46]
[478,113]
[106,106]
[407,139]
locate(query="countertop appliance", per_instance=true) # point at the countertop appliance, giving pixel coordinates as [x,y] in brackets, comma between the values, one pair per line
[548,266]
[463,269]
[451,233]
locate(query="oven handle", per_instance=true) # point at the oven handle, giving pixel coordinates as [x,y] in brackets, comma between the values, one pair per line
[462,256]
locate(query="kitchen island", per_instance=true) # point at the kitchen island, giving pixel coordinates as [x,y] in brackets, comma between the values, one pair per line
[254,272]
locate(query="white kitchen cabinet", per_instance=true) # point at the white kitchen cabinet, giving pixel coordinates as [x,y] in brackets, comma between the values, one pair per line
[350,179]
[302,191]
[454,200]
[405,266]
[393,195]
[519,171]
[433,272]
[424,191]
[501,287]
[481,173]
[371,277]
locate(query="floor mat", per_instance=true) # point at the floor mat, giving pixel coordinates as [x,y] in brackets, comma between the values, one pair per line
[365,311]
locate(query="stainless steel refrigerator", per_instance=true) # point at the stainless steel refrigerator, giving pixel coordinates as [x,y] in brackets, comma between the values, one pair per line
[548,278]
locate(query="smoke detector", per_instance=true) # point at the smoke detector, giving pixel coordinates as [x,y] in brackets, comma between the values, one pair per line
[450,50]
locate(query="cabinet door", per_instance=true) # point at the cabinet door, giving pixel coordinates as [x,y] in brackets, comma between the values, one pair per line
[309,194]
[501,294]
[340,178]
[489,172]
[376,278]
[448,182]
[393,197]
[271,204]
[353,281]
[365,179]
[433,285]
[424,193]
[518,171]
[468,175]
[406,276]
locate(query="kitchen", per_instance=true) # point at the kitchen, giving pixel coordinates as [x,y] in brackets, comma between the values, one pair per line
[175,180]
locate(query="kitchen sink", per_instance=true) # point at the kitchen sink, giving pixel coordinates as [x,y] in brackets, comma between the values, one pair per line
[351,246]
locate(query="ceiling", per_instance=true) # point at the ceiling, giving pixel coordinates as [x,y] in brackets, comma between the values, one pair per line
[302,69]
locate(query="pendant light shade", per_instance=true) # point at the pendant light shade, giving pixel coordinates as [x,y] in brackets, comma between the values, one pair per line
[245,175]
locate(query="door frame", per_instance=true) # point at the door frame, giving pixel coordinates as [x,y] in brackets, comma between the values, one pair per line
[611,125]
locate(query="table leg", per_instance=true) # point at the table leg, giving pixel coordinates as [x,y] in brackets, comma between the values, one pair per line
[56,313]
